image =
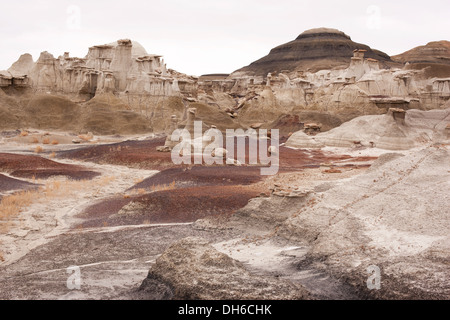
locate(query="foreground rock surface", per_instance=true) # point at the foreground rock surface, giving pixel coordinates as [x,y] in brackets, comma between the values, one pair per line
[193,269]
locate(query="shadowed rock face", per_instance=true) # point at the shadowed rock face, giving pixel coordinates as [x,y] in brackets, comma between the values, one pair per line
[313,50]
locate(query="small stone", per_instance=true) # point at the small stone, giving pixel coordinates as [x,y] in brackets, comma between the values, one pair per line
[256,125]
[219,153]
[163,149]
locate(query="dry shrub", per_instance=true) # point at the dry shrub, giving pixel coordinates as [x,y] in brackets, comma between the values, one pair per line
[55,185]
[56,189]
[24,133]
[12,205]
[106,180]
[34,140]
[62,188]
[86,137]
[332,170]
[46,141]
[52,155]
[164,187]
[38,149]
[55,142]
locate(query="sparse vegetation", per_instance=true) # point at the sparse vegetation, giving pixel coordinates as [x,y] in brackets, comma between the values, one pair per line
[39,149]
[46,141]
[86,137]
[106,180]
[157,188]
[55,142]
[34,140]
[12,205]
[24,134]
[164,187]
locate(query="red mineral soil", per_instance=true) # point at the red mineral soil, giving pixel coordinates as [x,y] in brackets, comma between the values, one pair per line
[10,184]
[169,206]
[98,214]
[297,159]
[135,154]
[183,193]
[27,166]
[203,176]
[143,155]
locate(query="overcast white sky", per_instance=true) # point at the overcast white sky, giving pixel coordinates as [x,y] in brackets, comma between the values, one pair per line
[212,36]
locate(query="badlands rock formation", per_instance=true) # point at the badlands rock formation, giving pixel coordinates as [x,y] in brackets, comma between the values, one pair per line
[392,217]
[396,130]
[122,72]
[313,50]
[192,269]
[322,77]
[22,67]
[123,67]
[116,79]
[353,80]
[434,56]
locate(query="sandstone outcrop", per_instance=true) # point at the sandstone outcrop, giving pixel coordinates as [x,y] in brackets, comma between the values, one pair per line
[396,130]
[18,74]
[23,66]
[123,68]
